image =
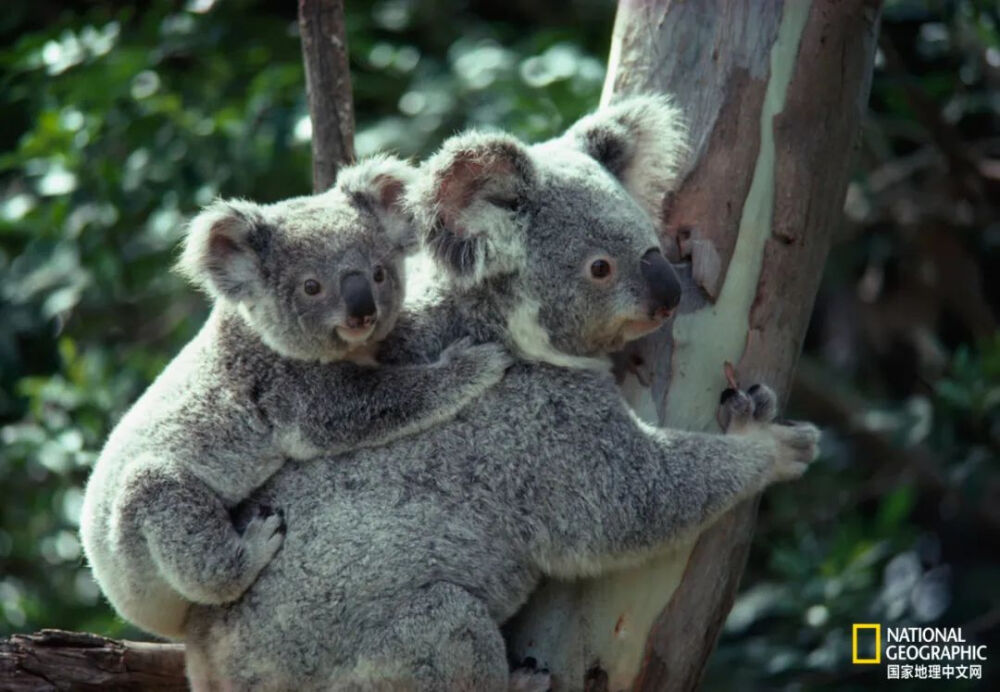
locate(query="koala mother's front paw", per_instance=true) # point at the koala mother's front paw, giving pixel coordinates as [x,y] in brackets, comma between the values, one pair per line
[752,413]
[739,410]
[798,446]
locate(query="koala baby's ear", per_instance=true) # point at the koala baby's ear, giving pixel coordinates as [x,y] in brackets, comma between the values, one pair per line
[641,141]
[467,203]
[381,183]
[222,250]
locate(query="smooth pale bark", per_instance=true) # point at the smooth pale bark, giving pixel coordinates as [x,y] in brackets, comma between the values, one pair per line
[773,94]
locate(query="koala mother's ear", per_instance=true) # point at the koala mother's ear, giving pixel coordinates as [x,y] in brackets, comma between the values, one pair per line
[641,141]
[380,183]
[222,250]
[468,201]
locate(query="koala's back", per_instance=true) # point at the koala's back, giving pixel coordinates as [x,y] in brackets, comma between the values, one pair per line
[457,504]
[177,416]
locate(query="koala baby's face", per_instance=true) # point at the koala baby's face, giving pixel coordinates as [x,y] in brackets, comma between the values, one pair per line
[574,221]
[316,277]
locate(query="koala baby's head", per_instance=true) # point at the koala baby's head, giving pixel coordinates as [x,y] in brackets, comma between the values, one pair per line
[570,223]
[315,277]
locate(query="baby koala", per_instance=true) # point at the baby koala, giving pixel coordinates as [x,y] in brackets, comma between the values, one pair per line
[303,291]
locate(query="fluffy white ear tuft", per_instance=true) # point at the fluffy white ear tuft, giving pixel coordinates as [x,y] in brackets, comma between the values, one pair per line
[641,140]
[381,182]
[468,204]
[222,250]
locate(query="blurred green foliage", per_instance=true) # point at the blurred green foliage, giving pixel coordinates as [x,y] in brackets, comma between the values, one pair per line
[122,118]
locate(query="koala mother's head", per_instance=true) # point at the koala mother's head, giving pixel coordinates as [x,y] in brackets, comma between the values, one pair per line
[569,226]
[315,277]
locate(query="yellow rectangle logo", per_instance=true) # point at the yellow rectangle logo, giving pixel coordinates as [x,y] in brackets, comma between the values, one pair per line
[878,643]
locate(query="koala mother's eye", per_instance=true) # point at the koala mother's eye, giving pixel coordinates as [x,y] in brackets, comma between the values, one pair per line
[311,287]
[378,274]
[600,268]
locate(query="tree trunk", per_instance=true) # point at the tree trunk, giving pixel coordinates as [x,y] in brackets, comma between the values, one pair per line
[773,94]
[328,85]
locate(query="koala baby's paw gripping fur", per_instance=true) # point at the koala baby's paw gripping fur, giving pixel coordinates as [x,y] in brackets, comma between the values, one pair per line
[262,537]
[482,363]
[753,412]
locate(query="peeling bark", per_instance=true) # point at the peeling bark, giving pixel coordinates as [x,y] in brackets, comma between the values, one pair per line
[773,94]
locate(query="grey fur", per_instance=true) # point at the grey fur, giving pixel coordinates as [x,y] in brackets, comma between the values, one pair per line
[401,561]
[257,387]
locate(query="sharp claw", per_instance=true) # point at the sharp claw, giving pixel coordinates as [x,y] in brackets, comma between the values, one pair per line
[726,395]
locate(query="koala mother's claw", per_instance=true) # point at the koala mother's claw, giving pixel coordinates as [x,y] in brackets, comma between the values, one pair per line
[739,410]
[765,403]
[735,410]
[752,413]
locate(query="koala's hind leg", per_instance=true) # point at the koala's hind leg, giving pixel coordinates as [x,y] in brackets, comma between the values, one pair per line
[193,543]
[442,638]
[202,676]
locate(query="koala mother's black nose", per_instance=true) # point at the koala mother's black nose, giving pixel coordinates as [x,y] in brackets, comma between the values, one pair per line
[664,285]
[358,299]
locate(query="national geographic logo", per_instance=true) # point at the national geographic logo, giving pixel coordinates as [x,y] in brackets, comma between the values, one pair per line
[877,647]
[918,653]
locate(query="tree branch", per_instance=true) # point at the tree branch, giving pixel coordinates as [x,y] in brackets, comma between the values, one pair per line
[963,164]
[328,85]
[58,660]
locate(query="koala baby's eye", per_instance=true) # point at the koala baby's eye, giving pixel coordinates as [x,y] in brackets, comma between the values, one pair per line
[378,274]
[311,287]
[600,269]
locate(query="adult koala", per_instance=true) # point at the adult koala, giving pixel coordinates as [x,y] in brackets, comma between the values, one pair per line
[400,562]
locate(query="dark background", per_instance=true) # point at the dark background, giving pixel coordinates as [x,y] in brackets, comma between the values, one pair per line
[119,119]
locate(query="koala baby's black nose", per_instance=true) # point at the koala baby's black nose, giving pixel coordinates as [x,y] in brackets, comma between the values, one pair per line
[664,285]
[358,299]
